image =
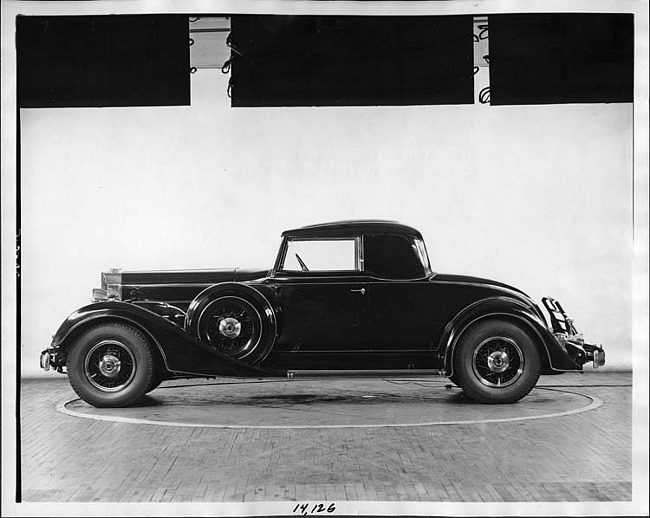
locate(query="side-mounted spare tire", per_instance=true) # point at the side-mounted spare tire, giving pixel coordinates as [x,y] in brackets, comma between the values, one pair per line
[235,319]
[496,361]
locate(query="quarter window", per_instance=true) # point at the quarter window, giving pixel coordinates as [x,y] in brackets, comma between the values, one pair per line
[321,255]
[392,257]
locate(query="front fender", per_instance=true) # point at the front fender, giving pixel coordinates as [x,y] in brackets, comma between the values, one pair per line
[181,352]
[554,357]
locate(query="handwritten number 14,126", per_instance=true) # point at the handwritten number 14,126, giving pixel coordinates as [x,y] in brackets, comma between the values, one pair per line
[305,509]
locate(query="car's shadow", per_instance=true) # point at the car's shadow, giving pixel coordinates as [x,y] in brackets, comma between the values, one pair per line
[444,397]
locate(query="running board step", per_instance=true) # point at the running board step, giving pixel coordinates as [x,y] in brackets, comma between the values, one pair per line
[378,373]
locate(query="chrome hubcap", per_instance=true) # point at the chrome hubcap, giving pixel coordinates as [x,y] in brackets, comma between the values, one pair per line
[110,365]
[230,327]
[498,361]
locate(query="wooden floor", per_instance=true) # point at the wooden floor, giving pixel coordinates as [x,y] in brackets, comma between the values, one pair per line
[582,457]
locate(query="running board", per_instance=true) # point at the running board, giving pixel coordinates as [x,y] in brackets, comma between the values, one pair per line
[379,373]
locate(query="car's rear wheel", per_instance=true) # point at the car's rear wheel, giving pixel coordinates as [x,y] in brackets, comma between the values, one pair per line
[496,361]
[111,365]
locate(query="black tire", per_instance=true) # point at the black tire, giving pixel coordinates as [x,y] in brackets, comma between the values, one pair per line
[155,382]
[255,325]
[233,326]
[111,365]
[496,362]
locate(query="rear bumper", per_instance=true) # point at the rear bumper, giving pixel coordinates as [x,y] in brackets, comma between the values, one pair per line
[569,338]
[583,353]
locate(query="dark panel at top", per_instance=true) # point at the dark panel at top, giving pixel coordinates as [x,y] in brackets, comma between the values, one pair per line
[561,58]
[139,60]
[338,60]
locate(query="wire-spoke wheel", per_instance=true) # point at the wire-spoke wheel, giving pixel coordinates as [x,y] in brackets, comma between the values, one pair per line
[111,365]
[232,325]
[496,361]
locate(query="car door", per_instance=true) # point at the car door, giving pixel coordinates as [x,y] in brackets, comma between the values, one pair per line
[321,294]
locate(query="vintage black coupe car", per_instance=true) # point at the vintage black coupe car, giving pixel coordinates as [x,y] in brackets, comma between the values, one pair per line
[345,298]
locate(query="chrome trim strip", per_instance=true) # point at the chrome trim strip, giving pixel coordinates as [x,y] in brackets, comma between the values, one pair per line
[325,238]
[140,303]
[326,373]
[170,284]
[180,374]
[358,261]
[467,283]
[396,281]
[282,252]
[178,270]
[362,254]
[341,280]
[358,351]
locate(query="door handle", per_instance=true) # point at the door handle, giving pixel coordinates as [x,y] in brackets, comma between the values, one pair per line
[361,290]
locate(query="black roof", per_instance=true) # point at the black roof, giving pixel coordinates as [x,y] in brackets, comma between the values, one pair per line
[352,228]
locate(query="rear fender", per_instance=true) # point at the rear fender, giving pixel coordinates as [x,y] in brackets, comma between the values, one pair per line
[180,352]
[554,357]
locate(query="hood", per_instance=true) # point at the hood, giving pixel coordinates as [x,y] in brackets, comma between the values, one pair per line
[181,277]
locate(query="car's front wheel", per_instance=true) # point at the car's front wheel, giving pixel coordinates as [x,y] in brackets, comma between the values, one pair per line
[496,361]
[111,365]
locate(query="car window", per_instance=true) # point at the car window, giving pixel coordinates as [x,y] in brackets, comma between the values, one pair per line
[321,255]
[392,257]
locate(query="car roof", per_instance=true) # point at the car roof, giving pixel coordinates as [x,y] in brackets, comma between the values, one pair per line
[352,227]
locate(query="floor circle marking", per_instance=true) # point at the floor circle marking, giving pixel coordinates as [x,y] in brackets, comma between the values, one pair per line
[594,404]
